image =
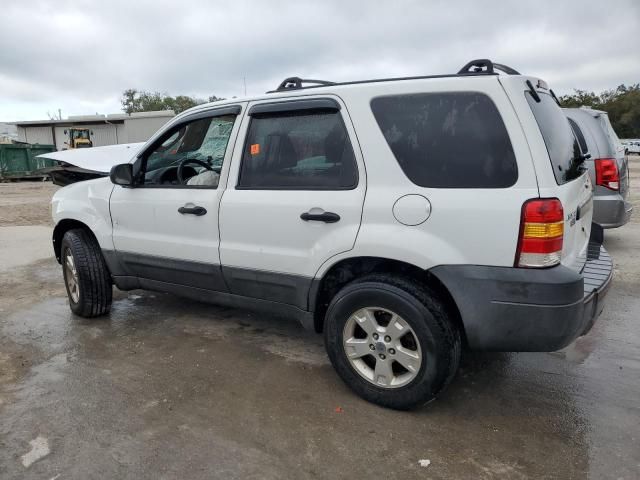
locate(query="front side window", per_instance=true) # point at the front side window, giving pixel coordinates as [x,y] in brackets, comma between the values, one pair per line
[448,140]
[300,150]
[562,146]
[191,154]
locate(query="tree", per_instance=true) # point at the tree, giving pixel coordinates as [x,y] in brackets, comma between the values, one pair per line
[143,101]
[130,101]
[152,102]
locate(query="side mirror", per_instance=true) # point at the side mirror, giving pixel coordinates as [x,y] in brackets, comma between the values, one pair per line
[122,174]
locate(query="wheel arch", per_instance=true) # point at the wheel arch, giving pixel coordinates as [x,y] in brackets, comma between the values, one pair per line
[62,227]
[344,271]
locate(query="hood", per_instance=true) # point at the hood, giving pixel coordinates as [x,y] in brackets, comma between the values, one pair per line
[96,159]
[87,163]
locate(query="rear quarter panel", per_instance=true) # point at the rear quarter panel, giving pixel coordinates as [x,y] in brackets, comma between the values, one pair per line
[571,194]
[466,226]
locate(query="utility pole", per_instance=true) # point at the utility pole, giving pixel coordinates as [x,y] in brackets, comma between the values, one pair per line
[244,80]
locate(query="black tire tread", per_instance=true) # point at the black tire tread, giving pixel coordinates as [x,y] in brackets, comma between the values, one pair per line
[94,278]
[449,333]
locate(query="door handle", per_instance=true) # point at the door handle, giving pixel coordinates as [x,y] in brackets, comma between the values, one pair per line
[326,217]
[197,211]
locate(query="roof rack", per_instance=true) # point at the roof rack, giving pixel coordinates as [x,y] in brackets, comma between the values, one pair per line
[297,82]
[485,66]
[480,66]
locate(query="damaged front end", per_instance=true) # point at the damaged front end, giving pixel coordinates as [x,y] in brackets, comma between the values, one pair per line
[65,174]
[88,163]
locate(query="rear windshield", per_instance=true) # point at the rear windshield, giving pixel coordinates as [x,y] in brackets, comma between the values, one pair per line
[563,148]
[448,140]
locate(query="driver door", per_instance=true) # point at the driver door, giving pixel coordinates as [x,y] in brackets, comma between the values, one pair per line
[165,227]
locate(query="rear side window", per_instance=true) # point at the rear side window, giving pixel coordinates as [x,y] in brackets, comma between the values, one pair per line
[579,136]
[563,148]
[448,140]
[300,150]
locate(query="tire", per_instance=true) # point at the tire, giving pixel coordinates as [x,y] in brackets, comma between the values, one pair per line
[435,338]
[94,291]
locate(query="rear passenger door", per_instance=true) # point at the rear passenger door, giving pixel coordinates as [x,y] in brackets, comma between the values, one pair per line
[294,198]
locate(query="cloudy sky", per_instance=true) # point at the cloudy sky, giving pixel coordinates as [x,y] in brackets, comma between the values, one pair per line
[80,55]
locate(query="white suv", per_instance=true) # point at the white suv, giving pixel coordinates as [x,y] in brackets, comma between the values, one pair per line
[404,218]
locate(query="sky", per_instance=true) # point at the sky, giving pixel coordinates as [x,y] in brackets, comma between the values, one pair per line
[79,56]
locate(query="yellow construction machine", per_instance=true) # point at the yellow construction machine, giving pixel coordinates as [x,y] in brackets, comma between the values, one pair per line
[78,137]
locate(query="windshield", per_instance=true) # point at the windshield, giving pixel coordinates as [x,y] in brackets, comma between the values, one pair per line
[564,151]
[80,134]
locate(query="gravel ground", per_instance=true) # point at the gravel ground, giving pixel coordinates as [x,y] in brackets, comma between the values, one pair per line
[26,203]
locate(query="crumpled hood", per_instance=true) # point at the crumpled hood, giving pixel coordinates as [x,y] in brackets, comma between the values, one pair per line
[95,159]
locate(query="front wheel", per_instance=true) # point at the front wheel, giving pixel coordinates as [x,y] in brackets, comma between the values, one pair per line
[392,341]
[85,273]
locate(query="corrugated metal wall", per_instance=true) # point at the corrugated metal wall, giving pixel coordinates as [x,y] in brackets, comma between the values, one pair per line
[22,134]
[134,129]
[141,129]
[121,133]
[42,135]
[61,138]
[103,135]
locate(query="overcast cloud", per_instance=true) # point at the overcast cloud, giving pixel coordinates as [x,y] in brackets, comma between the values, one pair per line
[80,55]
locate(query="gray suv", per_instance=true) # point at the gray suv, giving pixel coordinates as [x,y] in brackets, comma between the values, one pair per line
[607,164]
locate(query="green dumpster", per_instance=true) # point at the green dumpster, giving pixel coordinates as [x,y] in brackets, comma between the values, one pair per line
[18,160]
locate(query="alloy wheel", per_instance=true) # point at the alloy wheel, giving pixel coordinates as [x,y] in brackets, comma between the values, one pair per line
[382,347]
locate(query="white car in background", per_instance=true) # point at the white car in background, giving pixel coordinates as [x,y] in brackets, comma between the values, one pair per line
[631,147]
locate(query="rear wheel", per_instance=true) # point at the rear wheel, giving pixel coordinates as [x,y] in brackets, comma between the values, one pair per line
[391,341]
[85,273]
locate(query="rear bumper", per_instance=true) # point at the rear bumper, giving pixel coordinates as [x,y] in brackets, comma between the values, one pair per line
[527,310]
[611,211]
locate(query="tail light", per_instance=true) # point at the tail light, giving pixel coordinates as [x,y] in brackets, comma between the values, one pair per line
[541,233]
[607,174]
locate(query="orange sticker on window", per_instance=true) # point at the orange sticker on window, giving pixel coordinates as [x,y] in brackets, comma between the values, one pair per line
[255,149]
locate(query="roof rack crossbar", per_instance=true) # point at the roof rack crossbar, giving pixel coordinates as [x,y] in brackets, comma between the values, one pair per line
[482,66]
[297,82]
[486,67]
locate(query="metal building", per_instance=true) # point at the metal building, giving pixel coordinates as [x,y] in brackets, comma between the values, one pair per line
[105,129]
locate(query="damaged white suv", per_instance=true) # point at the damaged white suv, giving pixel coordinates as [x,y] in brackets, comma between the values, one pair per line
[405,218]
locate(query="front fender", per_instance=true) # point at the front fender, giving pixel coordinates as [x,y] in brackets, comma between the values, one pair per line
[88,203]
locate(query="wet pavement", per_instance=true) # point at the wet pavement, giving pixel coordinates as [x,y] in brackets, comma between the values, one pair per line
[167,388]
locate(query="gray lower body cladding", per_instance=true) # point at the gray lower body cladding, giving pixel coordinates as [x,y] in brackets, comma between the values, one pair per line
[502,308]
[611,211]
[276,293]
[527,310]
